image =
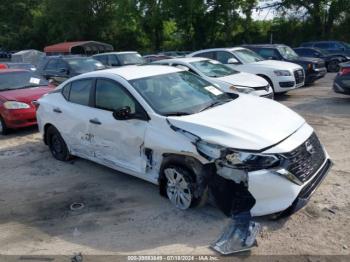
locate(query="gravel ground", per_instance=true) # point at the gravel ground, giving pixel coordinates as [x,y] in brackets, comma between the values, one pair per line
[125,215]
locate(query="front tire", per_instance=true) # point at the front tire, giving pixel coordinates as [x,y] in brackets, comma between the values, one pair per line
[58,147]
[333,66]
[3,128]
[180,187]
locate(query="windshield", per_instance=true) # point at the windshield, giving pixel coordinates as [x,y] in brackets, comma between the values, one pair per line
[247,56]
[19,80]
[213,68]
[84,65]
[180,93]
[287,52]
[130,59]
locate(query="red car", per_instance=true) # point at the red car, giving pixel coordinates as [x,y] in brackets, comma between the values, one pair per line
[19,89]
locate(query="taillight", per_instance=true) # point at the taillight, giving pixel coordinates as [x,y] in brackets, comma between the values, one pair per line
[344,71]
[36,104]
[3,66]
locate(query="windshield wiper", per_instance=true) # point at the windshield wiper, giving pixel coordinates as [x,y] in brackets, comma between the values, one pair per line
[216,103]
[177,114]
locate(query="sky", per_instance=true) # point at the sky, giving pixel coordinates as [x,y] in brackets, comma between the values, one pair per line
[265,14]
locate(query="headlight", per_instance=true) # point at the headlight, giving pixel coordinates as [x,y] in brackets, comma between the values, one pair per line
[348,57]
[251,161]
[210,150]
[240,160]
[15,105]
[282,73]
[244,90]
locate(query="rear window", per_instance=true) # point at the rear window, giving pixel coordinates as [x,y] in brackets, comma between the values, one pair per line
[80,92]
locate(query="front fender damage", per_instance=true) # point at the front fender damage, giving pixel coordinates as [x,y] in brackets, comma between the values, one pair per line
[227,187]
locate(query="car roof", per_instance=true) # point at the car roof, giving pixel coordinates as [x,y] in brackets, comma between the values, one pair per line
[2,71]
[183,59]
[265,45]
[220,49]
[135,72]
[117,53]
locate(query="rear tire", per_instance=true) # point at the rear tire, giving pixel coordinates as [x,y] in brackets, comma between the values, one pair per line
[57,145]
[3,128]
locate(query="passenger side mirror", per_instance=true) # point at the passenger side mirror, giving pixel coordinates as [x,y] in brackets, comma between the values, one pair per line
[122,113]
[232,61]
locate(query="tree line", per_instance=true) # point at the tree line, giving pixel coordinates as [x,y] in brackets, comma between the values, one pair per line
[156,25]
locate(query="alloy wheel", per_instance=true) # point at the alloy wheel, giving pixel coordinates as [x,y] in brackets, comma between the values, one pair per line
[178,189]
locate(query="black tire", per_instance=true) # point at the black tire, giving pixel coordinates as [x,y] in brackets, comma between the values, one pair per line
[4,130]
[188,177]
[333,66]
[57,145]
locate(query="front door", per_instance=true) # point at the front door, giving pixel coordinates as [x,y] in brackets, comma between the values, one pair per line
[117,143]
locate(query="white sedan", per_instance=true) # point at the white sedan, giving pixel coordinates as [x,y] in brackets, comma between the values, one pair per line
[175,129]
[227,79]
[282,76]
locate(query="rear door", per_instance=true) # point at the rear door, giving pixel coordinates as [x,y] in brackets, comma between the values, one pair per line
[72,117]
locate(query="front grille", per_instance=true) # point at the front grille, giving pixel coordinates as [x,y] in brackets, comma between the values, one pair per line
[287,84]
[299,76]
[307,191]
[306,159]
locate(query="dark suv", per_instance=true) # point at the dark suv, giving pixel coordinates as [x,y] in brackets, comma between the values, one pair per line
[314,67]
[60,68]
[332,59]
[338,47]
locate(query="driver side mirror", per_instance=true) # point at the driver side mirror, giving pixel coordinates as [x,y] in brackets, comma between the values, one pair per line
[122,113]
[232,61]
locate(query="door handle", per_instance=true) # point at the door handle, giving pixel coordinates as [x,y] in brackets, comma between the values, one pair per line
[57,110]
[95,121]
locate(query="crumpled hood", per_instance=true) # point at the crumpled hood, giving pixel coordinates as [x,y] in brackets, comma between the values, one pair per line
[248,122]
[25,95]
[277,65]
[244,79]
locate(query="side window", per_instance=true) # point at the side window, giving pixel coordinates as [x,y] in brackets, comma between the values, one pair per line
[80,92]
[102,58]
[65,91]
[113,60]
[111,96]
[206,54]
[267,53]
[322,45]
[51,65]
[223,56]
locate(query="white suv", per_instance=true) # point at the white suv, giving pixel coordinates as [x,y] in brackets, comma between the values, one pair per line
[177,130]
[282,76]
